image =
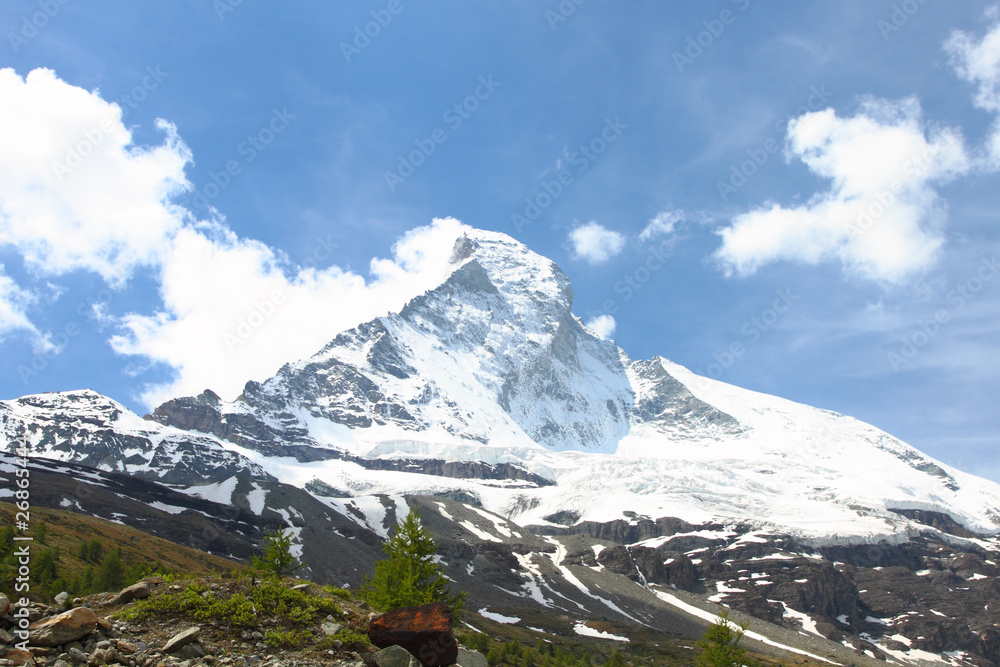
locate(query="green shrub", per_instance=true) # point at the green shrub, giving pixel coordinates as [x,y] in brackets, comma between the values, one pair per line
[353,641]
[341,593]
[290,639]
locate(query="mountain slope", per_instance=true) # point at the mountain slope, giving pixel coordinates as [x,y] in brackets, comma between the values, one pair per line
[487,390]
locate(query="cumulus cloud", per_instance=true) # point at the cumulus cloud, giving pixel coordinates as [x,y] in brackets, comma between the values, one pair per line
[881,217]
[602,325]
[77,194]
[664,223]
[233,310]
[14,303]
[978,62]
[595,243]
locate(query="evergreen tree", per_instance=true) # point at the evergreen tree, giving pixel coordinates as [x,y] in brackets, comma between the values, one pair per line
[278,559]
[40,532]
[7,539]
[111,574]
[721,644]
[43,566]
[92,551]
[409,576]
[616,659]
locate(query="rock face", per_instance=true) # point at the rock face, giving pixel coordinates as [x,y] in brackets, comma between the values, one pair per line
[181,639]
[66,627]
[424,631]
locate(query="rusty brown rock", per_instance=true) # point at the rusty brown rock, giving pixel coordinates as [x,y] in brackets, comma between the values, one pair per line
[425,631]
[65,627]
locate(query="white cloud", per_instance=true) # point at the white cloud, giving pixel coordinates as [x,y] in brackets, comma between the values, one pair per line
[881,217]
[14,302]
[603,326]
[664,223]
[232,308]
[978,62]
[233,311]
[595,244]
[75,192]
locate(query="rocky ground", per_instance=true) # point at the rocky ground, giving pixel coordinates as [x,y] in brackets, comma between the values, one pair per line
[104,629]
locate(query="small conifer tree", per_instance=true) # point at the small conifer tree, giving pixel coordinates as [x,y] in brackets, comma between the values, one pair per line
[720,644]
[409,576]
[278,559]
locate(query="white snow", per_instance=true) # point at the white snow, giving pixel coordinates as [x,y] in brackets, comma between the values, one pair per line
[256,498]
[587,631]
[712,618]
[481,534]
[163,507]
[499,618]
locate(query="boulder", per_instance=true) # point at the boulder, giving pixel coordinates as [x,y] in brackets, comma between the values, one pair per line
[181,639]
[19,656]
[133,592]
[4,605]
[395,656]
[467,658]
[192,651]
[329,628]
[66,627]
[425,631]
[5,637]
[61,598]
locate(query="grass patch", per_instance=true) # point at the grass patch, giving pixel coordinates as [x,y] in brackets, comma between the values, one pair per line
[244,608]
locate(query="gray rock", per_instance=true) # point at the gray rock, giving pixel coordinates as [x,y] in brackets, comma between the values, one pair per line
[467,658]
[5,637]
[256,634]
[330,628]
[133,592]
[61,598]
[104,644]
[395,656]
[61,663]
[181,639]
[4,605]
[192,651]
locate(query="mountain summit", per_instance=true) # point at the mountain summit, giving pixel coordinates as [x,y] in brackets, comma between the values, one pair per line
[488,387]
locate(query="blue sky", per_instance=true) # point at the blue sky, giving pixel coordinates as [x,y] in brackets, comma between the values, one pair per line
[701,171]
